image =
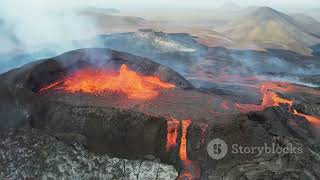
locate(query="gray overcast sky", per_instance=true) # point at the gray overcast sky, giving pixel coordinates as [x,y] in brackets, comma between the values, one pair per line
[208,3]
[282,4]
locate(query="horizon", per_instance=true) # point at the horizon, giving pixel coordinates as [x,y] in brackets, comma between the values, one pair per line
[160,89]
[138,4]
[10,8]
[59,18]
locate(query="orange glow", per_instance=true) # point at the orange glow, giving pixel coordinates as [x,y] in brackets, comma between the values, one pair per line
[224,105]
[183,144]
[172,133]
[270,98]
[190,170]
[185,176]
[99,81]
[50,86]
[312,120]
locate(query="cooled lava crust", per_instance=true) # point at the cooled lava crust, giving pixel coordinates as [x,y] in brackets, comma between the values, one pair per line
[114,124]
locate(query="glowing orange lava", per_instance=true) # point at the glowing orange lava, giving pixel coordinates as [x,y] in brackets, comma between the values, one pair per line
[185,176]
[98,81]
[183,144]
[270,98]
[191,170]
[172,133]
[312,120]
[50,86]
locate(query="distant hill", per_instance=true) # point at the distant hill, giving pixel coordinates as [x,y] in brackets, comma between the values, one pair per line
[149,42]
[102,10]
[107,20]
[272,29]
[307,23]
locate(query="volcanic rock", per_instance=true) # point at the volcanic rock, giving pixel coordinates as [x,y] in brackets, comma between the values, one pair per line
[19,86]
[113,124]
[32,154]
[261,131]
[307,108]
[122,133]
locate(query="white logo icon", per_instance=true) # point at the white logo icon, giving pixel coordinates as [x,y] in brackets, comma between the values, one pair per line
[217,149]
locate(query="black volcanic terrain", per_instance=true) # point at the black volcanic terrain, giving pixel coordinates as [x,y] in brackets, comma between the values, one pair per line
[146,99]
[273,113]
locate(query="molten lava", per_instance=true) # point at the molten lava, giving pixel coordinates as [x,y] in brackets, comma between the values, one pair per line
[270,98]
[185,176]
[97,81]
[191,170]
[172,133]
[312,120]
[183,144]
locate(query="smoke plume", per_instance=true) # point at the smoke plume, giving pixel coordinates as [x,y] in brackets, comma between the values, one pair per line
[30,26]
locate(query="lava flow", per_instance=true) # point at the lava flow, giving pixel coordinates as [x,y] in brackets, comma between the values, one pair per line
[191,170]
[98,81]
[183,145]
[172,133]
[312,120]
[270,98]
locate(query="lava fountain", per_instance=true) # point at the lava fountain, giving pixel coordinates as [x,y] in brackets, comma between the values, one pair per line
[99,81]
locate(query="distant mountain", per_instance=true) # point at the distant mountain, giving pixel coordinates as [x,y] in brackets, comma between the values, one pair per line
[122,20]
[307,23]
[107,20]
[102,10]
[272,29]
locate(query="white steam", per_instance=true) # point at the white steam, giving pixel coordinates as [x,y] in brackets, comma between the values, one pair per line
[29,25]
[50,27]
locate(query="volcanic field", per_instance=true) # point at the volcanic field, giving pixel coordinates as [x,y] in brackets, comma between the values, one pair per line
[95,103]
